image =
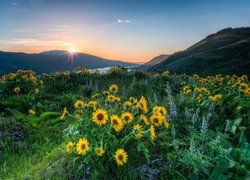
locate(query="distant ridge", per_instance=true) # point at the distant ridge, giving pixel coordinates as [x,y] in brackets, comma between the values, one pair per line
[154,61]
[225,52]
[51,61]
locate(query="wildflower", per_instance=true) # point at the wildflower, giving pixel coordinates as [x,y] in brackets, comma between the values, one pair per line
[95,96]
[238,107]
[186,90]
[69,146]
[113,88]
[144,118]
[165,74]
[32,112]
[160,109]
[216,97]
[127,105]
[100,117]
[139,131]
[127,117]
[142,104]
[133,100]
[37,90]
[99,151]
[79,104]
[112,98]
[243,86]
[64,113]
[173,110]
[152,132]
[82,146]
[106,93]
[156,119]
[121,157]
[92,104]
[247,91]
[166,124]
[17,90]
[116,123]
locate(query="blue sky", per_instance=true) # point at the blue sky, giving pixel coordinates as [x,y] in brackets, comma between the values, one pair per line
[132,30]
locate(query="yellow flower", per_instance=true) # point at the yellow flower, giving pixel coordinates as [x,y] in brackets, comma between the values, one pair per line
[127,117]
[142,104]
[4,78]
[152,132]
[216,97]
[100,117]
[166,124]
[32,112]
[116,123]
[243,86]
[156,119]
[238,107]
[186,90]
[92,104]
[139,131]
[165,74]
[106,93]
[95,96]
[247,91]
[121,157]
[198,97]
[160,110]
[99,151]
[112,98]
[37,90]
[64,113]
[82,146]
[133,100]
[127,105]
[17,90]
[113,88]
[144,118]
[195,76]
[79,104]
[69,146]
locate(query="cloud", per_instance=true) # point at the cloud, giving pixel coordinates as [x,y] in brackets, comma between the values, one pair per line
[123,21]
[14,3]
[119,20]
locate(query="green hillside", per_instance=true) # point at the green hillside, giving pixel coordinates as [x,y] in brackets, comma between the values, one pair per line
[226,52]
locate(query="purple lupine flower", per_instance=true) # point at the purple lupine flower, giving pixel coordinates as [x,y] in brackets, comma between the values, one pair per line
[173,110]
[211,107]
[168,118]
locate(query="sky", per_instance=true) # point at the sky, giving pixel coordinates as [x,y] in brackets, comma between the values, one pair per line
[128,30]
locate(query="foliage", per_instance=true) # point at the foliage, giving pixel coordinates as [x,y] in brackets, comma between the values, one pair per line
[163,126]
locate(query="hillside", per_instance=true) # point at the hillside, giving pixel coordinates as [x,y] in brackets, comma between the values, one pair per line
[154,61]
[51,61]
[226,52]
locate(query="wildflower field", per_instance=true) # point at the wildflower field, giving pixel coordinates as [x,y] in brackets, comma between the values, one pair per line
[124,125]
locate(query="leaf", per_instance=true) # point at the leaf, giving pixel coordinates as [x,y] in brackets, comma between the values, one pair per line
[142,148]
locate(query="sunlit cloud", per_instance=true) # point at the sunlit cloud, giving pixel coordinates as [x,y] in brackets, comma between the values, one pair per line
[123,21]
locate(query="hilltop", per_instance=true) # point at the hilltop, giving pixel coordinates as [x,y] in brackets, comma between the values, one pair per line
[226,52]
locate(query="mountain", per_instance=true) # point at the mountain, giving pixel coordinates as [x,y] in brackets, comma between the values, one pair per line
[51,61]
[225,52]
[153,62]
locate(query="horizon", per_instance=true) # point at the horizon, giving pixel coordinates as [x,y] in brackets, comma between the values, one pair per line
[130,31]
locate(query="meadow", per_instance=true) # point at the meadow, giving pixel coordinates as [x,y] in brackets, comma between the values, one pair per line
[124,125]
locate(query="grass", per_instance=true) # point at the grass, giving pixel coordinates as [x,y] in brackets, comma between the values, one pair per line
[205,138]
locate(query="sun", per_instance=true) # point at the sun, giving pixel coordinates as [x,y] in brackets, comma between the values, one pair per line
[72,50]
